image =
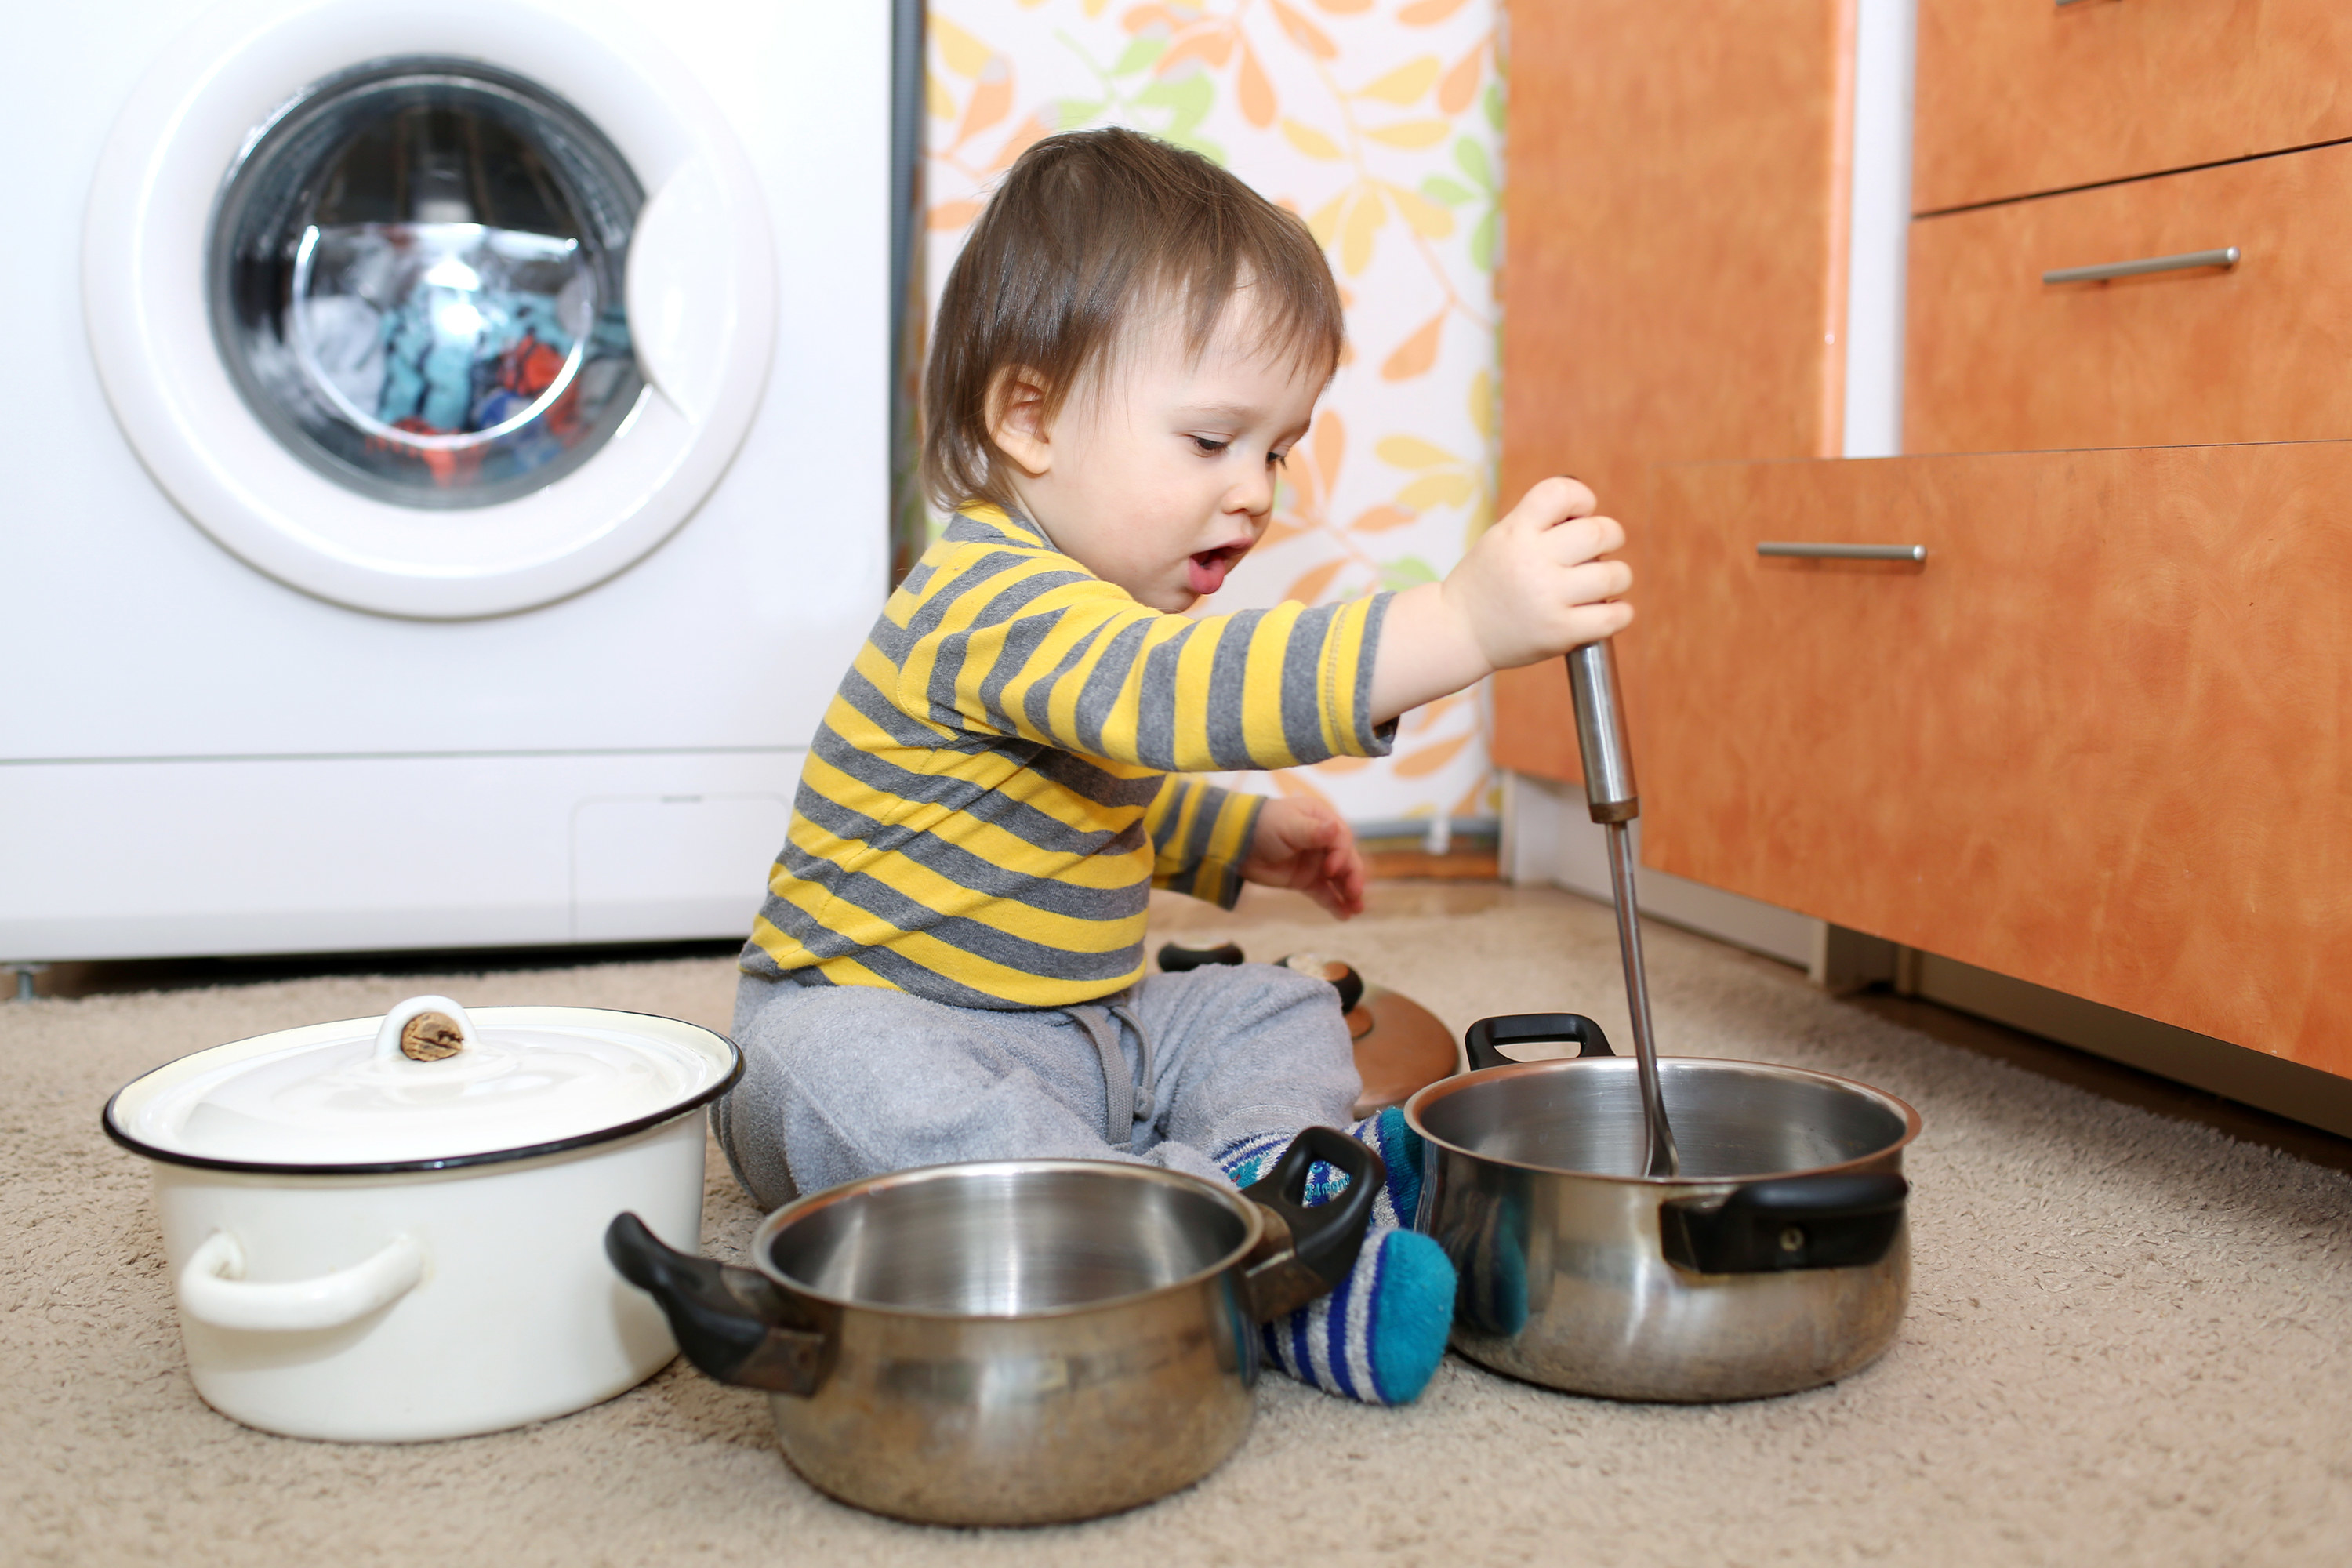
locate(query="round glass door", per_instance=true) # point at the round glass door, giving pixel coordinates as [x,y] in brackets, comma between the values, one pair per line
[416,281]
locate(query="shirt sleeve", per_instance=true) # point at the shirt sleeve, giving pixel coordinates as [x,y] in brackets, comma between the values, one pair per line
[1200,837]
[1024,643]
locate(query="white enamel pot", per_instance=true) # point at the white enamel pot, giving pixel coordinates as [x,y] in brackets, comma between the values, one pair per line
[369,1247]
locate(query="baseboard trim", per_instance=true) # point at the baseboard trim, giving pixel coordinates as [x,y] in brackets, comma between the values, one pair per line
[2236,1072]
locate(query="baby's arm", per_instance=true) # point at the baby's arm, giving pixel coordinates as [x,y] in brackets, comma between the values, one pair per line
[1208,841]
[1016,642]
[1083,668]
[1528,590]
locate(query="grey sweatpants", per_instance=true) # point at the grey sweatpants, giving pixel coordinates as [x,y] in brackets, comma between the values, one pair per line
[841,1082]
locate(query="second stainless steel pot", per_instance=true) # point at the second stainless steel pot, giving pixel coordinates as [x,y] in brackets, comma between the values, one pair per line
[1014,1342]
[1777,1259]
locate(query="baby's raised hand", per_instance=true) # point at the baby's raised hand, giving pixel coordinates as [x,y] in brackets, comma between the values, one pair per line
[1530,588]
[1304,846]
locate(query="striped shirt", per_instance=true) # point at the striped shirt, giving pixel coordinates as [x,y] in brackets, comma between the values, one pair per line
[996,787]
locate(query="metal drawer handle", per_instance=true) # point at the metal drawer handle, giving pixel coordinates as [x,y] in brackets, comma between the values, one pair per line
[2187,260]
[1844,551]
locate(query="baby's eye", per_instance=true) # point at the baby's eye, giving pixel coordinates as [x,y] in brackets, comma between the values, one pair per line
[1209,447]
[1276,460]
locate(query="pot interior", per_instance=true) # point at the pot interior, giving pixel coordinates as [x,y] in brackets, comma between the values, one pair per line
[1730,1119]
[1004,1240]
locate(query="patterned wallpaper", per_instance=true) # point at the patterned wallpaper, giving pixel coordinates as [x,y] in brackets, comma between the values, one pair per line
[1380,122]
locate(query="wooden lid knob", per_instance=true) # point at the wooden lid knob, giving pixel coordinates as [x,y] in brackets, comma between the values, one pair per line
[430,1037]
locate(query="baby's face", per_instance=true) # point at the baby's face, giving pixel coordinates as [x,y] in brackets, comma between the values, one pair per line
[1160,477]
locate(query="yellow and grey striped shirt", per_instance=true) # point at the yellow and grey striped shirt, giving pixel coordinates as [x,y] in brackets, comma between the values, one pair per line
[996,787]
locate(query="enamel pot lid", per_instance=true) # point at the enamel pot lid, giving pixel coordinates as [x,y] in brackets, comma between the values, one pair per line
[427,1087]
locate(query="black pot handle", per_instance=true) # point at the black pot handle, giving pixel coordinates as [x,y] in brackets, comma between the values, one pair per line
[731,1322]
[1483,1036]
[1174,959]
[1792,1222]
[1307,1251]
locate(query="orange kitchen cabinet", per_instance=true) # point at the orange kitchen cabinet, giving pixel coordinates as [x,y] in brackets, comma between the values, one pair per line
[1999,359]
[2100,741]
[2018,97]
[1674,271]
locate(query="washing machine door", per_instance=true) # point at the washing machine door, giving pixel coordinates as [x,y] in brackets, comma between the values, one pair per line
[432,311]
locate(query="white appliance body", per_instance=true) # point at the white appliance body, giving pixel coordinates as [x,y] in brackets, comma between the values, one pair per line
[247,708]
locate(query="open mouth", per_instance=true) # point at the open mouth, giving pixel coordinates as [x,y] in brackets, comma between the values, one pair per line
[1205,572]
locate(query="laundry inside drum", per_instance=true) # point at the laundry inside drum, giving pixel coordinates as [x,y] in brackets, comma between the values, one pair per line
[417,283]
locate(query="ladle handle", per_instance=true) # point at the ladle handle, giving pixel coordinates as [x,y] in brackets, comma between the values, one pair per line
[1614,802]
[1609,790]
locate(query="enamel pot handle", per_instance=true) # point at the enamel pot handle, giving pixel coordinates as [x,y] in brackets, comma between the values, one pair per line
[1483,1038]
[1792,1222]
[732,1323]
[1307,1251]
[212,1288]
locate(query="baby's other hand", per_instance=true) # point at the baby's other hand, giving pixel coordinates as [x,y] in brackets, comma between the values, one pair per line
[1303,845]
[1530,588]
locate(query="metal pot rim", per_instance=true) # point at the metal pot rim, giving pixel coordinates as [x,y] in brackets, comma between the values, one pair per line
[1253,1219]
[1464,1082]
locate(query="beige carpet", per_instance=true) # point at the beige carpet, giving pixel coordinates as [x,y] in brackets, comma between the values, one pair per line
[2128,1342]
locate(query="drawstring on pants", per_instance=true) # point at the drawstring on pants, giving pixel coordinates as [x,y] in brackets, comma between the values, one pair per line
[1127,1101]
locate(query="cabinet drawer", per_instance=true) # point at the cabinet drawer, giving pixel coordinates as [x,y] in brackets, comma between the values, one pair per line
[1999,359]
[2016,97]
[2101,740]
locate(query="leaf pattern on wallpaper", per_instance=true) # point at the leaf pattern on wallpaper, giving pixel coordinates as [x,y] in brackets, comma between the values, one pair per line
[1380,122]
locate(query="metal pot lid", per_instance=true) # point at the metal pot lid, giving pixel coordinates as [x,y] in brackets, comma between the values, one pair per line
[426,1087]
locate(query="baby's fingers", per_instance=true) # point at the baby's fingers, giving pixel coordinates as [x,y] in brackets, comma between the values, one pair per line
[1560,498]
[1581,539]
[1590,622]
[1346,874]
[1596,580]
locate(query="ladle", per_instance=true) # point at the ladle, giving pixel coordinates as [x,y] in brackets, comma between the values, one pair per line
[1614,803]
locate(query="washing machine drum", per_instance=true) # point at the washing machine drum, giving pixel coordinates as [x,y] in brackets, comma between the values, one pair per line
[440,354]
[416,281]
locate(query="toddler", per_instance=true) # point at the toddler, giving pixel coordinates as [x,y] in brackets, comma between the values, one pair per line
[950,962]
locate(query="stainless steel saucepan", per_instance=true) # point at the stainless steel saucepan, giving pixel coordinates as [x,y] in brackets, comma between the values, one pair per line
[1015,1342]
[1776,1258]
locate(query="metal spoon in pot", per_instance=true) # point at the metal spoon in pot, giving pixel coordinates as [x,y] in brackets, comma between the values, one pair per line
[1609,792]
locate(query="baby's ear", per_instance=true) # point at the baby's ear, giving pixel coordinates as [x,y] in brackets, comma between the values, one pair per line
[1016,419]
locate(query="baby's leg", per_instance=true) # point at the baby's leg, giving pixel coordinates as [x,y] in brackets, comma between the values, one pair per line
[1245,1057]
[842,1082]
[1245,1050]
[1248,1054]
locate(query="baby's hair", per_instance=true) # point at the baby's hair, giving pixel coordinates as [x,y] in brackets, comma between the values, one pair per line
[1090,233]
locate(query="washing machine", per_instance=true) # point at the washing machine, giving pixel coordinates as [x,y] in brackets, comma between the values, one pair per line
[446,462]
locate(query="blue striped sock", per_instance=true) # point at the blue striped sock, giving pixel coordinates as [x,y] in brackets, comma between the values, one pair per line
[1398,1145]
[1379,1334]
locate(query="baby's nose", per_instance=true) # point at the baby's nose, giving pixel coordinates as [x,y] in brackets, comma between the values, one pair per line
[1253,495]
